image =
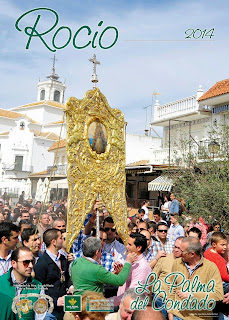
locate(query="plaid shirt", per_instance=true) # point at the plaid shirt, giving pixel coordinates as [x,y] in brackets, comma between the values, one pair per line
[149,255]
[158,246]
[106,259]
[77,245]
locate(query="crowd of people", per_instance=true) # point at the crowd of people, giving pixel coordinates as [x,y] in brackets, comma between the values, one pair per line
[167,270]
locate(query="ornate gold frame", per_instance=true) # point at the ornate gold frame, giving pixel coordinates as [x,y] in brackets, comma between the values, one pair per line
[90,173]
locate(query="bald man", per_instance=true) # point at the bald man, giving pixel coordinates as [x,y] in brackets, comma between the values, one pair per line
[149,314]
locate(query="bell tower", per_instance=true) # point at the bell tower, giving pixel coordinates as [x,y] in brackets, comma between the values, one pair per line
[52,88]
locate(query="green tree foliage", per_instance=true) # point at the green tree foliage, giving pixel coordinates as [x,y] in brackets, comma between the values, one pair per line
[205,183]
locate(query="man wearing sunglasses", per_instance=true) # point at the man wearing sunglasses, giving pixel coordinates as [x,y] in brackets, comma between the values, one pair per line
[163,245]
[18,281]
[112,246]
[142,226]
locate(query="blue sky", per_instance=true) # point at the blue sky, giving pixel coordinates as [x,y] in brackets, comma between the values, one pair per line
[131,70]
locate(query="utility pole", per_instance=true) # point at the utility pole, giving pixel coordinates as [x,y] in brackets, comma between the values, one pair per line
[146,130]
[151,112]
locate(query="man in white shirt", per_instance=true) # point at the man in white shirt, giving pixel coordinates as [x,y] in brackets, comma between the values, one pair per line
[175,230]
[112,246]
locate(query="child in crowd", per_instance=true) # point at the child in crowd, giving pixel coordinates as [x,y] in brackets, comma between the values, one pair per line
[215,254]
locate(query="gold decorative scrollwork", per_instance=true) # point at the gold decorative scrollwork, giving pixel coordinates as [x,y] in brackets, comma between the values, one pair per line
[96,165]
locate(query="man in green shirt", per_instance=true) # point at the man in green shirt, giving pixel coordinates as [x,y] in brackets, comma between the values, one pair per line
[88,275]
[18,282]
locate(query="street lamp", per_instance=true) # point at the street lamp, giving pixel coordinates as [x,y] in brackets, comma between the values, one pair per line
[213,147]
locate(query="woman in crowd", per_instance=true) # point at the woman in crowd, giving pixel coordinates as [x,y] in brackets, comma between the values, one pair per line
[144,206]
[165,208]
[186,226]
[214,227]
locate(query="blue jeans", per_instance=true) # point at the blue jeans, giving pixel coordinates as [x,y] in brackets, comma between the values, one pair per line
[225,287]
[176,318]
[159,304]
[49,316]
[222,317]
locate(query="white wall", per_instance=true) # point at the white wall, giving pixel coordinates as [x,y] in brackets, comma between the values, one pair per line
[41,158]
[56,129]
[42,113]
[140,147]
[52,114]
[17,143]
[6,124]
[36,113]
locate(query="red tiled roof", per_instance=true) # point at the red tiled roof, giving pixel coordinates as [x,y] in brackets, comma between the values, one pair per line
[57,145]
[221,87]
[4,133]
[13,115]
[41,103]
[44,172]
[138,163]
[46,135]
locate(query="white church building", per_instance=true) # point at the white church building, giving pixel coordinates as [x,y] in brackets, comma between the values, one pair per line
[28,132]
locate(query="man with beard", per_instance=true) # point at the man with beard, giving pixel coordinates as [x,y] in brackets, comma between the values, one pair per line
[18,281]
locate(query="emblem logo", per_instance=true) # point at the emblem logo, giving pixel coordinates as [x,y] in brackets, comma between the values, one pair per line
[40,306]
[73,303]
[24,305]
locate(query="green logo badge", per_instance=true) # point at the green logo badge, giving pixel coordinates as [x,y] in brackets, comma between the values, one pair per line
[73,303]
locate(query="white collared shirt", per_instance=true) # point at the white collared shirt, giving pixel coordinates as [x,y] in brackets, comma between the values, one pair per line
[117,249]
[5,264]
[55,258]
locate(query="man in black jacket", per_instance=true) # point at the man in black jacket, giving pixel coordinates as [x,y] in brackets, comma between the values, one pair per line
[52,270]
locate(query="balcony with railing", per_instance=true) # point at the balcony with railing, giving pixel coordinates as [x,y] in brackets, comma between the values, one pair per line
[17,167]
[163,156]
[60,169]
[160,156]
[185,109]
